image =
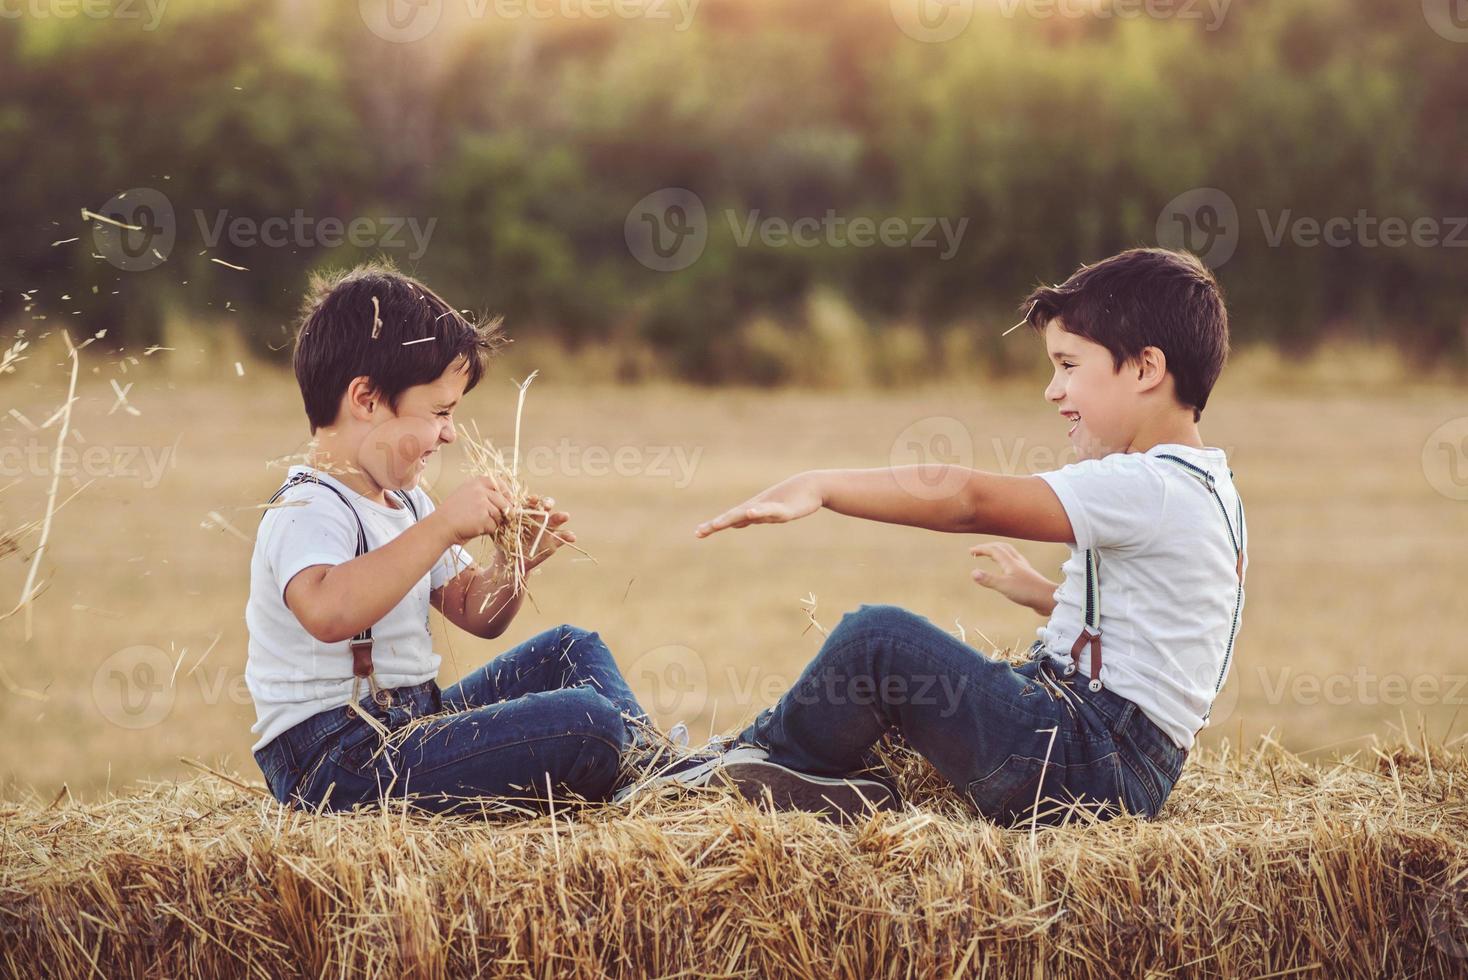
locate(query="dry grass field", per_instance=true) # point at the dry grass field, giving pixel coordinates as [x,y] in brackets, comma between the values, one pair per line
[1354,618]
[133,657]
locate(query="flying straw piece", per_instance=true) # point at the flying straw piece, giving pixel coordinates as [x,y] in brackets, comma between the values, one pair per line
[27,592]
[94,216]
[1020,323]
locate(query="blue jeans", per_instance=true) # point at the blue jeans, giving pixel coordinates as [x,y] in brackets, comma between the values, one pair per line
[544,718]
[1004,736]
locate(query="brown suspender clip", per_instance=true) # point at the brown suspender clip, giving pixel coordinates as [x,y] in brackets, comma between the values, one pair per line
[1094,639]
[361,657]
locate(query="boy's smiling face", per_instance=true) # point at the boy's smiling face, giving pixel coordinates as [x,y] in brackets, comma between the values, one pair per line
[396,447]
[1100,402]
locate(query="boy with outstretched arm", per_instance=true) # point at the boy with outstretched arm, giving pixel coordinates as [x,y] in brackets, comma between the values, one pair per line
[1154,579]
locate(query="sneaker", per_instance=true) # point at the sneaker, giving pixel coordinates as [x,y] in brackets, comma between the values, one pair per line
[757,778]
[688,769]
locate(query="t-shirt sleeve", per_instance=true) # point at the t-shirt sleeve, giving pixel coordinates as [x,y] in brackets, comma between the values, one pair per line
[310,528]
[453,561]
[1114,502]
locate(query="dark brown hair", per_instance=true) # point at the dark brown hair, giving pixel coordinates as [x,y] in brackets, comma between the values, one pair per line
[363,322]
[1145,297]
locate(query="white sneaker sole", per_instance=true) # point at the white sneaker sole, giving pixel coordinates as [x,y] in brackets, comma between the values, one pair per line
[758,779]
[699,775]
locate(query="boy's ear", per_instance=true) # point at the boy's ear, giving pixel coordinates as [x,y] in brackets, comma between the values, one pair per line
[1150,367]
[361,398]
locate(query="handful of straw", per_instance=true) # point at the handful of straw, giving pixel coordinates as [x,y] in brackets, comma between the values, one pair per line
[526,523]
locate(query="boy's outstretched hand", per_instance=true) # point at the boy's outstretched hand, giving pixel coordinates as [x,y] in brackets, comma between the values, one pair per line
[1015,579]
[790,500]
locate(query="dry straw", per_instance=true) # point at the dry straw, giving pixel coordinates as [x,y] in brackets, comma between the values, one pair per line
[1262,864]
[525,526]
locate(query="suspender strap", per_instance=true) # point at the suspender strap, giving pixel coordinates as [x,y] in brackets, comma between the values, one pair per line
[1238,542]
[361,644]
[1091,633]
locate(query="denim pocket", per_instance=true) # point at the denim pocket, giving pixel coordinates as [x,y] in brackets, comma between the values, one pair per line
[356,751]
[995,794]
[1145,796]
[1008,795]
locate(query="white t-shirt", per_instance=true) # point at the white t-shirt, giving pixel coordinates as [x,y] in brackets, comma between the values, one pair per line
[1166,566]
[292,675]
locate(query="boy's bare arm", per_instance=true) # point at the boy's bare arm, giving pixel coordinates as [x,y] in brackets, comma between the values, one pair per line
[336,602]
[934,496]
[483,601]
[478,600]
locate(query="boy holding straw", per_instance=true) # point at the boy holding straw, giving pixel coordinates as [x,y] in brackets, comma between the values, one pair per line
[1155,574]
[352,554]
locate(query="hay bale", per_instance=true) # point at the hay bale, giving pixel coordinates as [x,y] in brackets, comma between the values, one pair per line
[1261,864]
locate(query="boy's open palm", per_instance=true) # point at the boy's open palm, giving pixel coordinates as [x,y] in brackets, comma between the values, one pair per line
[1014,578]
[784,502]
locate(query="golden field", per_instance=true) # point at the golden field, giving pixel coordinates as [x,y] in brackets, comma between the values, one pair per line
[135,657]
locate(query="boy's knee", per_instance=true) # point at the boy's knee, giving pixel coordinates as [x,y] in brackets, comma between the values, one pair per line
[880,618]
[602,735]
[573,638]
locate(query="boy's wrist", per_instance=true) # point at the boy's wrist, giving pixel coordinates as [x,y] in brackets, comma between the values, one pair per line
[814,484]
[1043,600]
[439,526]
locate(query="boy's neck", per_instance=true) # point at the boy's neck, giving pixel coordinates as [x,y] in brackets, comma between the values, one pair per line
[354,477]
[1175,431]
